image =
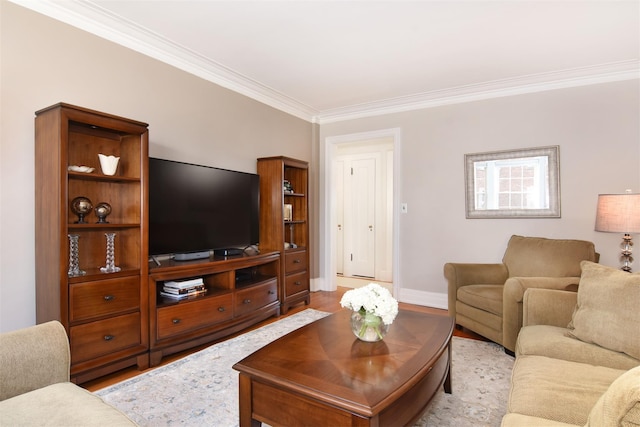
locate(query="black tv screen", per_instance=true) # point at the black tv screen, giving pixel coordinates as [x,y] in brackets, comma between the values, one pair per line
[196,208]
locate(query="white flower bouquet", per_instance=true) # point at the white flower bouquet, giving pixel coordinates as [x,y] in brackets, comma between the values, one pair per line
[374,304]
[374,310]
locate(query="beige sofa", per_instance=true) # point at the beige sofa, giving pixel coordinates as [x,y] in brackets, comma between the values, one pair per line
[578,354]
[487,298]
[34,383]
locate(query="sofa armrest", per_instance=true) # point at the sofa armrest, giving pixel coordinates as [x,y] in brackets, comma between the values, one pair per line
[548,307]
[620,404]
[513,295]
[33,358]
[460,274]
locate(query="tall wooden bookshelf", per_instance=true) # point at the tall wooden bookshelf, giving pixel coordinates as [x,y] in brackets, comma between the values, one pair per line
[105,313]
[284,223]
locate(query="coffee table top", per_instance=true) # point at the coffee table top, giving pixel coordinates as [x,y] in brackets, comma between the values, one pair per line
[325,361]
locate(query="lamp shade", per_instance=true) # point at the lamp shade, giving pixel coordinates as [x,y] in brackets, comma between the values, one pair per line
[618,213]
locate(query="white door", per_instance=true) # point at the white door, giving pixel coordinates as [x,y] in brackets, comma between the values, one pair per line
[338,169]
[359,217]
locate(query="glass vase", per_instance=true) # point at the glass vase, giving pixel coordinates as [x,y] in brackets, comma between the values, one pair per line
[110,266]
[367,326]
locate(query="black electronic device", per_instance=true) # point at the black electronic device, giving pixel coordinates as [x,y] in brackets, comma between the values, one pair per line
[228,252]
[190,256]
[194,209]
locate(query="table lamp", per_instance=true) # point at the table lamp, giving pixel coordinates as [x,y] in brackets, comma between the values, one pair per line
[620,213]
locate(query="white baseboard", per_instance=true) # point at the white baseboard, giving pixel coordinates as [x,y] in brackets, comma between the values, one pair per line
[319,284]
[428,299]
[410,296]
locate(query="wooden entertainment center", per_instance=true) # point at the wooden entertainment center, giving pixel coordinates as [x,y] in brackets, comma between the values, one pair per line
[116,317]
[241,291]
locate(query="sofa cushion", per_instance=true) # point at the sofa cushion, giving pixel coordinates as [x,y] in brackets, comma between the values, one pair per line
[620,404]
[519,420]
[557,389]
[607,311]
[61,404]
[552,341]
[485,297]
[541,257]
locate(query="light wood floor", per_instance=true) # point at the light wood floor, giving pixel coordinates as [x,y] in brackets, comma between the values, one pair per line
[323,301]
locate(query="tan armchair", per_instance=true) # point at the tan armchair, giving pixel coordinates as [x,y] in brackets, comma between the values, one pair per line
[487,298]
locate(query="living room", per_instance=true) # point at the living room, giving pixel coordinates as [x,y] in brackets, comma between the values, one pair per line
[45,61]
[592,114]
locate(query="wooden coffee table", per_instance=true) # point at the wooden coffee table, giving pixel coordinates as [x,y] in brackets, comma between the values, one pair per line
[322,375]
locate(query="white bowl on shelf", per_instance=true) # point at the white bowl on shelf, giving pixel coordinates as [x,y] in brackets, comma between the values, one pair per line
[83,169]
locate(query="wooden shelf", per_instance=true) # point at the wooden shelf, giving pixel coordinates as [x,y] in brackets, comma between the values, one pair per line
[101,226]
[99,177]
[92,274]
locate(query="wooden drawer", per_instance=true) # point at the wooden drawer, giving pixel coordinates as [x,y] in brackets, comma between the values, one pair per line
[295,283]
[190,315]
[104,337]
[295,261]
[103,297]
[253,298]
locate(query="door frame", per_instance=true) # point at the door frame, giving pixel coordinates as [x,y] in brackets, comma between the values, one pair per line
[327,235]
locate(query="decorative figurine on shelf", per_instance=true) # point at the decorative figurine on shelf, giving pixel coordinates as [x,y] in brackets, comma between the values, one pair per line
[110,267]
[81,206]
[286,186]
[288,212]
[108,164]
[102,209]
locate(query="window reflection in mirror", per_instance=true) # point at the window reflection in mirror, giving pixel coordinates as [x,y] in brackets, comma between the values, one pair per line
[516,183]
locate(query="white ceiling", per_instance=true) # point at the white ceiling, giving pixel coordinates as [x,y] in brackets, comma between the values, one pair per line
[332,60]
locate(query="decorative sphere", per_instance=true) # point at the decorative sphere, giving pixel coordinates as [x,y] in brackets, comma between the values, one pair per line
[81,206]
[102,209]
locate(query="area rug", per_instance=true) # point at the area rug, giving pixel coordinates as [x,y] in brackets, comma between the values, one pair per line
[202,389]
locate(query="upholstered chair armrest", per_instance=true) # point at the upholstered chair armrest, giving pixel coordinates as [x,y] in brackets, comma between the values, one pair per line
[33,358]
[461,274]
[548,307]
[513,295]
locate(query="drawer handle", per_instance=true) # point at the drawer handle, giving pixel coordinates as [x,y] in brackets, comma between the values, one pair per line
[297,261]
[109,297]
[297,283]
[271,292]
[109,337]
[247,301]
[176,321]
[221,309]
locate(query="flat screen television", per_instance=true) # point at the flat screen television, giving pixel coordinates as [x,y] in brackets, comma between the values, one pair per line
[195,209]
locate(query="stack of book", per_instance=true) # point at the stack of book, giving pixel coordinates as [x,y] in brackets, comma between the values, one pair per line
[183,289]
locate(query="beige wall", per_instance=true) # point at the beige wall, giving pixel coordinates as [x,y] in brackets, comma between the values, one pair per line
[45,62]
[598,131]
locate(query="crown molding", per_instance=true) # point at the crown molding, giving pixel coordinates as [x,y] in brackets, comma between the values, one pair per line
[603,73]
[92,18]
[98,21]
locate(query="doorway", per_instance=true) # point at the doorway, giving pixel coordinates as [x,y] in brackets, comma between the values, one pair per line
[360,207]
[364,182]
